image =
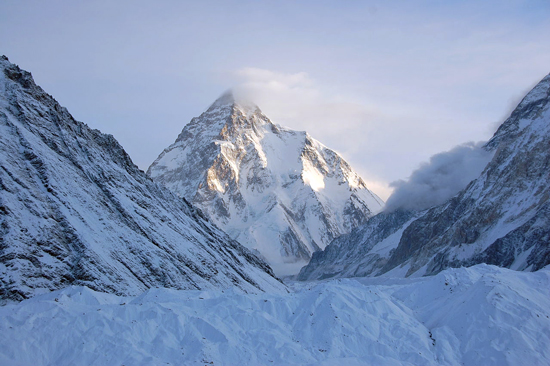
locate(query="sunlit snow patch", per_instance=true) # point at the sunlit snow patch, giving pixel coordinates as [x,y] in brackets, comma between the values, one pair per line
[312,177]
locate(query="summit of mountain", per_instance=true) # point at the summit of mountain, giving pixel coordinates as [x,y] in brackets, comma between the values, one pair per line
[273,189]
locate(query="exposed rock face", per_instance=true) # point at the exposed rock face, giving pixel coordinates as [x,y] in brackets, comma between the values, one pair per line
[74,209]
[273,189]
[501,218]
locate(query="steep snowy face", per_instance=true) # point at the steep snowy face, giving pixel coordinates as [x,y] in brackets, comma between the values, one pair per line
[501,218]
[272,189]
[75,210]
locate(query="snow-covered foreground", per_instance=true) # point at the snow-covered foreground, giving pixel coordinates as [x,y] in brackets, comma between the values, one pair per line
[481,315]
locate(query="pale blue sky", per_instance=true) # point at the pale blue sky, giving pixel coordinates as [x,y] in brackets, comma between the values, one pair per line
[386,83]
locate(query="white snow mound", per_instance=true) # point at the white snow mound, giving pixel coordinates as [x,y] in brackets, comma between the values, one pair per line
[483,315]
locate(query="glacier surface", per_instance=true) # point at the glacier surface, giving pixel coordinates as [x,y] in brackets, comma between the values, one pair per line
[482,315]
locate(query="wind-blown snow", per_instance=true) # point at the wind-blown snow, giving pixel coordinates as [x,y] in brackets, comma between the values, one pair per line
[483,315]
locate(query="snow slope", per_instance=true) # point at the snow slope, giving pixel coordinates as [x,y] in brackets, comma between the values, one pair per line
[273,189]
[74,209]
[482,315]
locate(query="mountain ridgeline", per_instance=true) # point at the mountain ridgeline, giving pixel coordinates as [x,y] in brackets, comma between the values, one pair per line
[273,189]
[500,218]
[75,210]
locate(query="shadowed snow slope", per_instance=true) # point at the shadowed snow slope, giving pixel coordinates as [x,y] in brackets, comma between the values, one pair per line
[74,209]
[482,315]
[275,190]
[501,218]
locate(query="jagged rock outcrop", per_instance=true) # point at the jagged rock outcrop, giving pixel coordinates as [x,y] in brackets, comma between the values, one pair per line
[75,210]
[500,218]
[273,189]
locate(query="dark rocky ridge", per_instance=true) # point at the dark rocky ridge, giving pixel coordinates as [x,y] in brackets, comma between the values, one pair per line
[501,218]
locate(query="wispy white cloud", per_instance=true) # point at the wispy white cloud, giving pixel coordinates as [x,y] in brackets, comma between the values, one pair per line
[298,101]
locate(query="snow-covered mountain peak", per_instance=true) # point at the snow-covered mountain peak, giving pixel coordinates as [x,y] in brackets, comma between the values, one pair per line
[526,118]
[232,103]
[226,99]
[539,93]
[274,189]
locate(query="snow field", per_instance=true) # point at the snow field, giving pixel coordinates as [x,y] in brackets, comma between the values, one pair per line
[480,315]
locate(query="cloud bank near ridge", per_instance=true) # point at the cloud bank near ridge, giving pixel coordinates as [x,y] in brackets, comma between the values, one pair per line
[440,179]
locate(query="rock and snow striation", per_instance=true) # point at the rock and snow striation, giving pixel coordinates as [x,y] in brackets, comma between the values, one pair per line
[482,315]
[75,210]
[275,190]
[500,218]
